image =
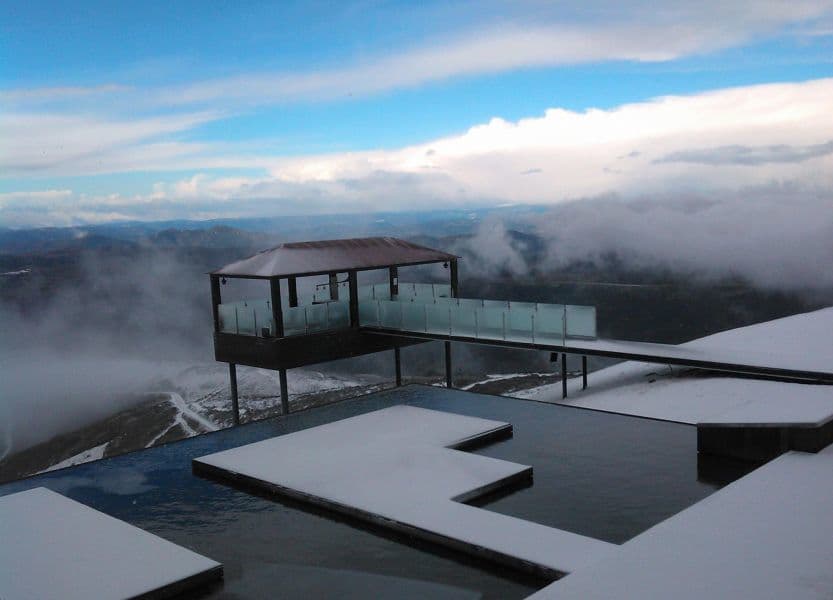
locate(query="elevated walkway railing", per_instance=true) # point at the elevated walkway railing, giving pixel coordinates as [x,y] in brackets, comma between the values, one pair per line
[419,308]
[526,322]
[316,311]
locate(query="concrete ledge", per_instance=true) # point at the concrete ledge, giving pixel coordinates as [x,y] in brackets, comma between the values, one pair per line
[762,442]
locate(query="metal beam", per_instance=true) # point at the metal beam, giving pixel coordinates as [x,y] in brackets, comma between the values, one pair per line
[455,284]
[563,375]
[284,392]
[235,407]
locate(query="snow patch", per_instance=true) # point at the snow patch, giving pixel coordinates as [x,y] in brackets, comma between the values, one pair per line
[91,454]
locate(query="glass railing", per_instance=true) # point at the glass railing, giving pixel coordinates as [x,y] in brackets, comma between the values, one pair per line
[254,317]
[412,292]
[526,322]
[422,308]
[247,317]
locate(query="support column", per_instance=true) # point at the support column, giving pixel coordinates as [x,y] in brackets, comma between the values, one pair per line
[215,301]
[448,382]
[293,291]
[333,286]
[563,375]
[584,372]
[398,363]
[235,408]
[353,282]
[277,313]
[284,392]
[394,281]
[455,284]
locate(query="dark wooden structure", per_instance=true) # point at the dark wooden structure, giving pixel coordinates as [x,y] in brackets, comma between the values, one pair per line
[292,261]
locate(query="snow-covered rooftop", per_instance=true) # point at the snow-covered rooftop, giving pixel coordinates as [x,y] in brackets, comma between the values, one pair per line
[395,466]
[666,393]
[54,547]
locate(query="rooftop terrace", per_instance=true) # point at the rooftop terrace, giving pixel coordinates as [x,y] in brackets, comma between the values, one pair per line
[604,476]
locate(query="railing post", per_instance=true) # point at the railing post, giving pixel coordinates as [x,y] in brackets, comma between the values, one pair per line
[532,323]
[563,375]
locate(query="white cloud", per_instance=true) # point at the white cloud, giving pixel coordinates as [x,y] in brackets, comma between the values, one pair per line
[562,155]
[634,31]
[580,153]
[500,37]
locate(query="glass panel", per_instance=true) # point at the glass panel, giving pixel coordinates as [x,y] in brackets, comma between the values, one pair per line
[369,313]
[446,302]
[365,292]
[245,319]
[294,321]
[390,314]
[463,322]
[424,292]
[438,318]
[495,304]
[519,324]
[413,316]
[581,321]
[316,317]
[228,320]
[522,305]
[263,318]
[442,290]
[339,314]
[470,303]
[490,323]
[381,291]
[549,324]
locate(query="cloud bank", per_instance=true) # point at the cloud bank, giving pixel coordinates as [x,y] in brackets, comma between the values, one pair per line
[722,140]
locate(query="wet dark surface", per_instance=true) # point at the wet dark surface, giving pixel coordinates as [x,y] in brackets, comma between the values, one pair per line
[598,474]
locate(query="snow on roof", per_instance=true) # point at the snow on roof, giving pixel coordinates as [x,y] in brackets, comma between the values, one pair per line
[662,392]
[54,547]
[394,467]
[329,256]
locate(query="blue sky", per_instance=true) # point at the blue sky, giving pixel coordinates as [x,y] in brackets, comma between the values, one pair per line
[158,110]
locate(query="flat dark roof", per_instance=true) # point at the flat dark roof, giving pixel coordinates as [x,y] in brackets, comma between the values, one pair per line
[328,256]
